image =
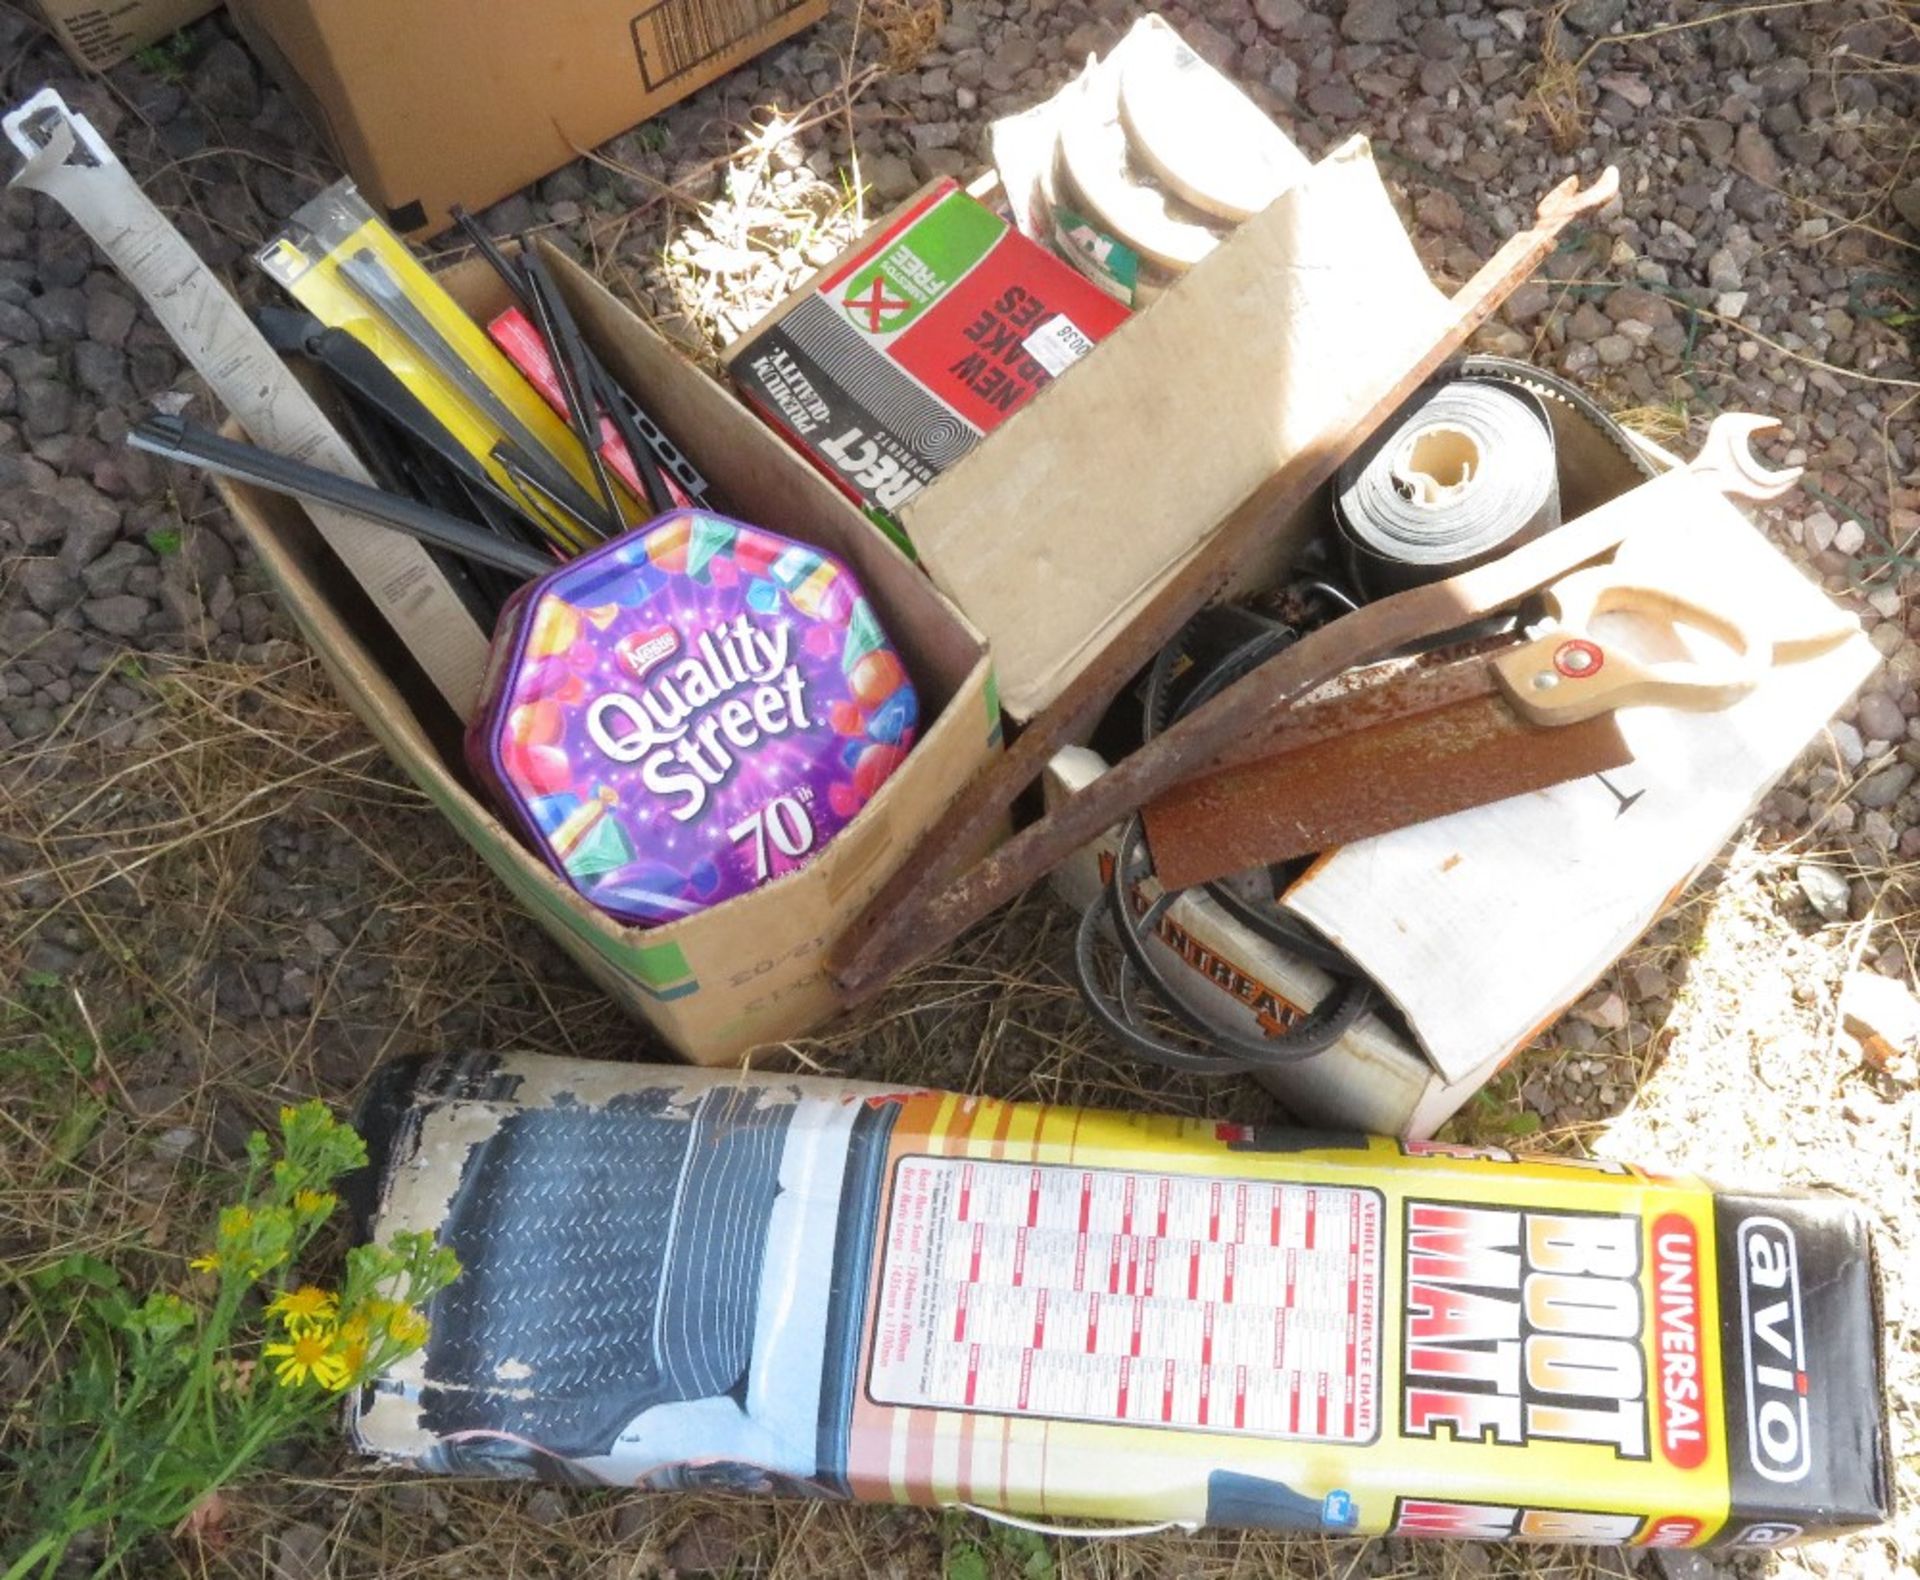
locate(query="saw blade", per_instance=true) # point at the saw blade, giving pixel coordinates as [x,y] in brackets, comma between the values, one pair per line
[1418,743]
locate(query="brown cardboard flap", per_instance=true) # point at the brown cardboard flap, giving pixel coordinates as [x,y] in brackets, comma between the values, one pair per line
[1054,532]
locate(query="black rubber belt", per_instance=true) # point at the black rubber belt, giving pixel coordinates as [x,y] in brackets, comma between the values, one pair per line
[1391,543]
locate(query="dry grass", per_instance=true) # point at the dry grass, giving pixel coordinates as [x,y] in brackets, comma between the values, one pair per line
[1556,97]
[908,28]
[1664,425]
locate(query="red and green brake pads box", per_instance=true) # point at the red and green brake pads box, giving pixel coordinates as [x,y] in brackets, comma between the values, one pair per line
[903,355]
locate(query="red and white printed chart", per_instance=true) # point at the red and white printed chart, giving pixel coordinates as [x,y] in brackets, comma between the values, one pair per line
[1133,1298]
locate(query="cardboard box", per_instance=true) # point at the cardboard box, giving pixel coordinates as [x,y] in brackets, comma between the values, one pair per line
[751,971]
[102,33]
[1483,928]
[437,102]
[1054,531]
[831,1289]
[911,349]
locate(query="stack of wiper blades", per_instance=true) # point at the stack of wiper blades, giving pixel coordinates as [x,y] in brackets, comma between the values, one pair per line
[494,517]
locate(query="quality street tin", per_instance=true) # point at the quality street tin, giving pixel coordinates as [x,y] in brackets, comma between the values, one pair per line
[688,712]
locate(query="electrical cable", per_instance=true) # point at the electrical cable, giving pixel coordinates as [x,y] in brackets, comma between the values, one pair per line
[1223,644]
[1223,1051]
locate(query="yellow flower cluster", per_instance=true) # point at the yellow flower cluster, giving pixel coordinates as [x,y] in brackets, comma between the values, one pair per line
[333,1349]
[335,1338]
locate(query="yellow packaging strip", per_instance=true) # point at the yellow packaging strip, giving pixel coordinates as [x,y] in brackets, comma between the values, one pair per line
[343,264]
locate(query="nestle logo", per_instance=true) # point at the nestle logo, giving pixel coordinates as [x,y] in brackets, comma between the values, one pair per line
[1775,1350]
[640,651]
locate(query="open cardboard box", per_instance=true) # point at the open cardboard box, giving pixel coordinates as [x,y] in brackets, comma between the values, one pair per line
[1057,528]
[1484,927]
[751,971]
[434,103]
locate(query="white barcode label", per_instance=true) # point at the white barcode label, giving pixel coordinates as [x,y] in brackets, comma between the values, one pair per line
[1056,345]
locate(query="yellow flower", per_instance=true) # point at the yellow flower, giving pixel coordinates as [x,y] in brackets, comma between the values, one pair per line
[210,1263]
[310,1203]
[407,1327]
[353,1344]
[313,1353]
[235,1223]
[302,1308]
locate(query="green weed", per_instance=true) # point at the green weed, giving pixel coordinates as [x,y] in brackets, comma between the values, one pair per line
[167,1397]
[167,59]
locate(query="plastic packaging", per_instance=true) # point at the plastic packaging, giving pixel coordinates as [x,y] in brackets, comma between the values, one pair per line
[341,262]
[766,1283]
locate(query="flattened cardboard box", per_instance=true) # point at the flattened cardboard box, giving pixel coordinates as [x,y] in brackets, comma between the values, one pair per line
[680,1280]
[750,971]
[436,102]
[1056,529]
[102,33]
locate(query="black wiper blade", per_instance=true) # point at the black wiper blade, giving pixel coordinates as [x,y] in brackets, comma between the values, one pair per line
[568,355]
[177,439]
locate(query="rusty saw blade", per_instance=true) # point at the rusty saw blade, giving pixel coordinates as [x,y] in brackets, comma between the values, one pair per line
[1381,748]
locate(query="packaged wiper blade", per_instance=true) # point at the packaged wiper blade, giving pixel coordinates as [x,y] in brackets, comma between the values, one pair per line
[342,263]
[65,159]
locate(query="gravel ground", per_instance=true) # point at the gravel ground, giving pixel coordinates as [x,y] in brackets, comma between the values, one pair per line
[202,851]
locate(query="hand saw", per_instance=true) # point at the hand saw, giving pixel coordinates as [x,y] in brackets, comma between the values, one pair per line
[926,905]
[1411,739]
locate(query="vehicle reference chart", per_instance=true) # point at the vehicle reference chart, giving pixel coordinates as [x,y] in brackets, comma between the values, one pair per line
[1144,1299]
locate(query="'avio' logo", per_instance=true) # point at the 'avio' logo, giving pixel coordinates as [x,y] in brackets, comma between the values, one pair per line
[1775,1348]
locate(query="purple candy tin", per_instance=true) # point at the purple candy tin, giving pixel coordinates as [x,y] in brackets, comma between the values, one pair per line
[688,712]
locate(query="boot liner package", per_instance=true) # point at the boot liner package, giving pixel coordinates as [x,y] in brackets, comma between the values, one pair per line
[680,1279]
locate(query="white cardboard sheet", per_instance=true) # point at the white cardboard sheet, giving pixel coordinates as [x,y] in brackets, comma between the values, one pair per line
[1482,927]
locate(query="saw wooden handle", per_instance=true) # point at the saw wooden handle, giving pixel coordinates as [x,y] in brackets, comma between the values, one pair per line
[1568,673]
